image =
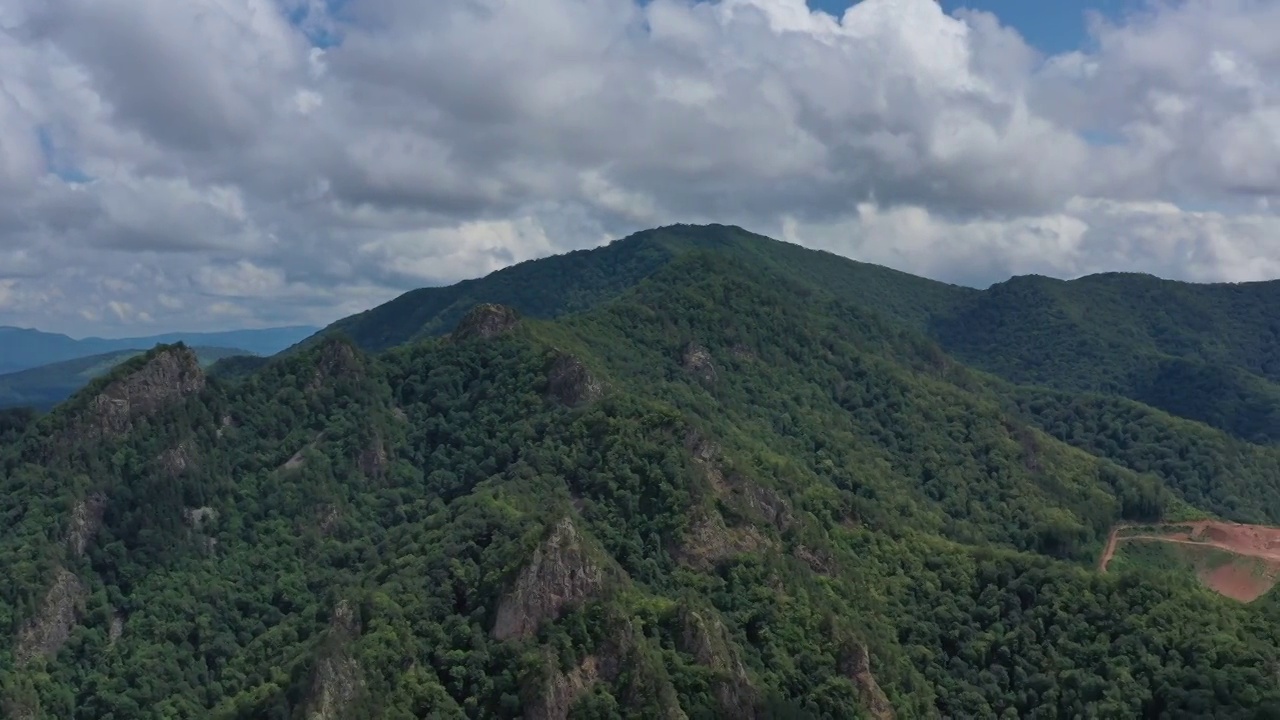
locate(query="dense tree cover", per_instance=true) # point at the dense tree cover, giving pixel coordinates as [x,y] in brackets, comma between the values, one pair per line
[581,280]
[1204,352]
[776,500]
[1207,468]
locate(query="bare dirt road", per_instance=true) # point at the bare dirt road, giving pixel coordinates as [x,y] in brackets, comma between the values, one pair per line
[1242,581]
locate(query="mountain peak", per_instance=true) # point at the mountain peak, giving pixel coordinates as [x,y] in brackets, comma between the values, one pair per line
[486,320]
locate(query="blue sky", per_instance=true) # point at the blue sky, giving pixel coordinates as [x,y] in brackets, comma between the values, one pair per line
[1053,26]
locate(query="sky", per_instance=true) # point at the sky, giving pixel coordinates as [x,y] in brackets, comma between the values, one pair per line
[211,164]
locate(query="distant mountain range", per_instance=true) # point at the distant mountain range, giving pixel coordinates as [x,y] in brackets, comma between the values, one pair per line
[26,348]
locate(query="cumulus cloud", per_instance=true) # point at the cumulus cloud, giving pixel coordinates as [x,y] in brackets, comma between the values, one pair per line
[231,162]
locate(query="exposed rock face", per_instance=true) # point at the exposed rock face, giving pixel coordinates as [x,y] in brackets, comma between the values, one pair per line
[560,574]
[697,361]
[178,458]
[708,541]
[855,663]
[44,634]
[740,493]
[18,711]
[820,561]
[296,461]
[707,639]
[763,502]
[168,377]
[86,520]
[300,458]
[564,689]
[486,321]
[623,655]
[327,517]
[337,680]
[337,359]
[116,630]
[571,383]
[198,517]
[374,459]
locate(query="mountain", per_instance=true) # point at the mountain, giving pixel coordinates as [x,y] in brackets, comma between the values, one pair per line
[1206,352]
[24,348]
[694,474]
[1125,334]
[576,281]
[45,386]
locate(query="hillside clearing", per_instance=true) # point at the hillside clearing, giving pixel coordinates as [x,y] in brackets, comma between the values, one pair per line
[1250,567]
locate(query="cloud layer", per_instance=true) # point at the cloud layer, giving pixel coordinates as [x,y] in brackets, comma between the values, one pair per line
[210,163]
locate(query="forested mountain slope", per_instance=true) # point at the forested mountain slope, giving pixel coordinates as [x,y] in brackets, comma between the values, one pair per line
[583,279]
[1203,352]
[719,486]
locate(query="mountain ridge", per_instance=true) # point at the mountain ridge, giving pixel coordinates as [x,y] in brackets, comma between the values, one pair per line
[728,488]
[1078,335]
[26,348]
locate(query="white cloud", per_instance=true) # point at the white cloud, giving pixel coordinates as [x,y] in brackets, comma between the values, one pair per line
[1087,236]
[205,161]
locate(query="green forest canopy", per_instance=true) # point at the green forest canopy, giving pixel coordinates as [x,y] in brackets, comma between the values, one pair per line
[696,473]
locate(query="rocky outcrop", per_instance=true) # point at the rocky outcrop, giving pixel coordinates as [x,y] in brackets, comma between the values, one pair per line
[571,383]
[15,710]
[697,361]
[116,629]
[327,517]
[46,633]
[819,560]
[708,541]
[177,459]
[164,379]
[336,359]
[374,459]
[855,664]
[561,573]
[86,520]
[624,658]
[486,321]
[298,459]
[564,689]
[705,637]
[738,492]
[197,518]
[762,502]
[336,681]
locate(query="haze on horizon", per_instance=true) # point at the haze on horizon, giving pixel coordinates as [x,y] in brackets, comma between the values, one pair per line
[236,163]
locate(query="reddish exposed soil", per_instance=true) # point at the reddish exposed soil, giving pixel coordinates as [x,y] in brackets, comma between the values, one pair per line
[1244,581]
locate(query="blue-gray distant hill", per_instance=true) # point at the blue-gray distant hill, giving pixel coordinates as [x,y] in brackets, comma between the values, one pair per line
[25,348]
[45,386]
